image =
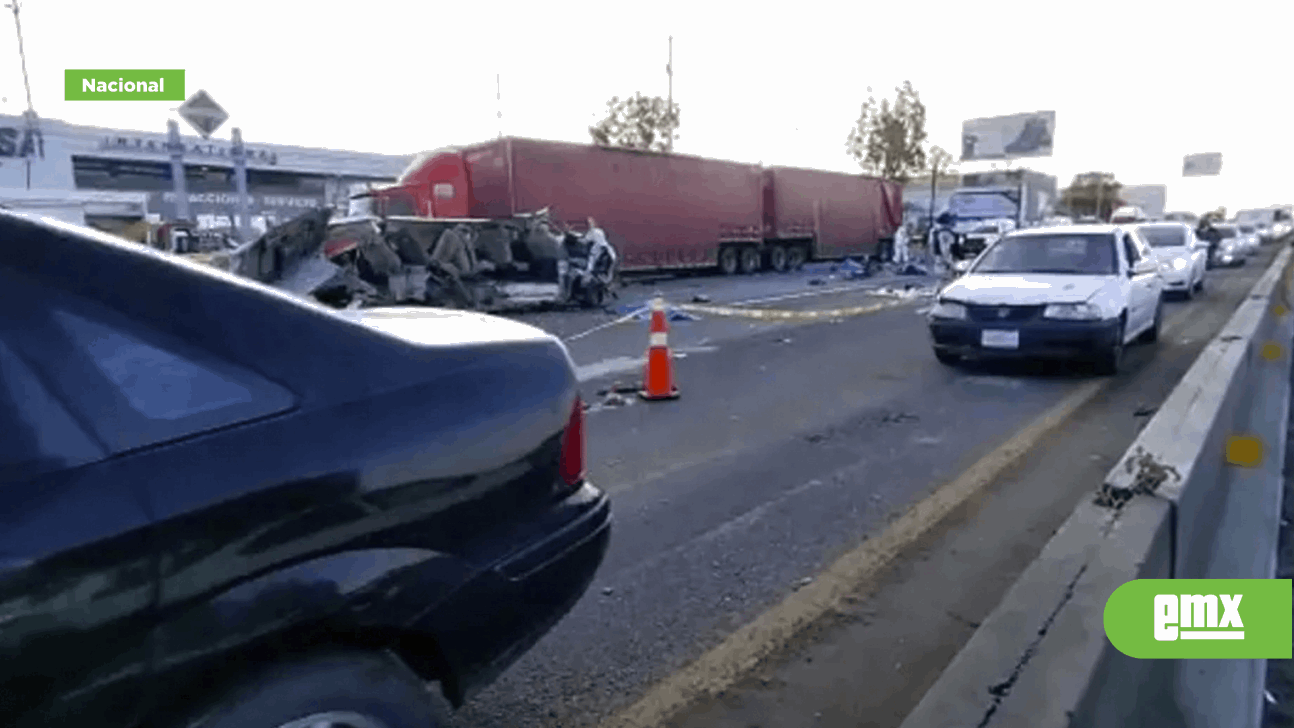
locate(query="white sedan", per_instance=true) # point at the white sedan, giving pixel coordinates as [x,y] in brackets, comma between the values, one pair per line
[1082,292]
[1182,257]
[1252,237]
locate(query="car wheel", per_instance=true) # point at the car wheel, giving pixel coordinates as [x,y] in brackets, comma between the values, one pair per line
[335,690]
[1108,362]
[1152,333]
[947,358]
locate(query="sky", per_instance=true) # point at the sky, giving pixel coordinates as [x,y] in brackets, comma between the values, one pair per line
[1135,85]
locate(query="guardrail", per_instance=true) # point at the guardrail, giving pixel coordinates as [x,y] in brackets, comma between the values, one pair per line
[1197,495]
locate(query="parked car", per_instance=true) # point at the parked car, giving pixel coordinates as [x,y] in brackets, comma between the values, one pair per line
[1084,292]
[226,506]
[1230,249]
[1250,239]
[1189,218]
[1182,257]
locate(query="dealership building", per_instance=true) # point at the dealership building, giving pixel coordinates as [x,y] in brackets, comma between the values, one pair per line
[120,173]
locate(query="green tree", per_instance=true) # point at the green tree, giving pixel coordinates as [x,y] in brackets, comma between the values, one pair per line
[648,123]
[888,139]
[1091,193]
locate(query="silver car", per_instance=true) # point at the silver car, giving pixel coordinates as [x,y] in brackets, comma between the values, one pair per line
[1181,256]
[1249,236]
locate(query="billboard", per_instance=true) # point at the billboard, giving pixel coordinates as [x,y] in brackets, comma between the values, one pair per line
[1008,137]
[1202,165]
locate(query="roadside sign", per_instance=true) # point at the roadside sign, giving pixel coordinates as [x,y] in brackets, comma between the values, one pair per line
[203,113]
[1202,165]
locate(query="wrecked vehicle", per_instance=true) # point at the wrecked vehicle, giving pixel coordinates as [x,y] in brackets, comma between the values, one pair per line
[369,260]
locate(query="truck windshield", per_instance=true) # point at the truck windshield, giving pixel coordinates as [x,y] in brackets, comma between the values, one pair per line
[992,204]
[360,206]
[1071,254]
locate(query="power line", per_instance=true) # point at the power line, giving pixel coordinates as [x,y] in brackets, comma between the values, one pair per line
[22,56]
[30,114]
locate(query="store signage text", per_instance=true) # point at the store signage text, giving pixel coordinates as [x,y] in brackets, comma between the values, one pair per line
[159,146]
[229,198]
[19,142]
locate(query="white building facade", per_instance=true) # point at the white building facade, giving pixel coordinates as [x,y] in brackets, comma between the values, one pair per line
[282,181]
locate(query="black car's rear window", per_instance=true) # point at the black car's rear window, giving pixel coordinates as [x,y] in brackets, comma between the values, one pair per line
[129,386]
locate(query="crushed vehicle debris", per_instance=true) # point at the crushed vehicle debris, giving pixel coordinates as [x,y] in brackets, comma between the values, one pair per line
[486,265]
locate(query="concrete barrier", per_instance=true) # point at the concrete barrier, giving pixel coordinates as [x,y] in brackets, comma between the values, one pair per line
[1173,507]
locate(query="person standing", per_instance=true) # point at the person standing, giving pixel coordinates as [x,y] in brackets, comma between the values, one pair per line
[602,257]
[901,245]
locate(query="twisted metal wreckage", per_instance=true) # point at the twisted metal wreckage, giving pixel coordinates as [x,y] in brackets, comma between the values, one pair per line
[382,261]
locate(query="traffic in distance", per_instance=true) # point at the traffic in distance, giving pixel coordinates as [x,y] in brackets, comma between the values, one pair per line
[371,498]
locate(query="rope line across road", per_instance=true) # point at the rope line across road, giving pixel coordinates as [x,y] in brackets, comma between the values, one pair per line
[896,298]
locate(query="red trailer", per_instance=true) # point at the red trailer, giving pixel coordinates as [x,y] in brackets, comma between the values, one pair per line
[661,211]
[827,214]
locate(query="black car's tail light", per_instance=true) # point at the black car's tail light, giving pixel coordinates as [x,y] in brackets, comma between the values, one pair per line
[571,466]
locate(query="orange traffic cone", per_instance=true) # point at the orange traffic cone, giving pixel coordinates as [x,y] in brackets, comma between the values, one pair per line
[658,375]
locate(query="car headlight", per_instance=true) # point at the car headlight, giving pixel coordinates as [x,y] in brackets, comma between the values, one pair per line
[948,310]
[1179,264]
[1072,312]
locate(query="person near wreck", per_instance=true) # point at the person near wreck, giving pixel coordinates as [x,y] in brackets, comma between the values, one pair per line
[602,257]
[1210,235]
[901,245]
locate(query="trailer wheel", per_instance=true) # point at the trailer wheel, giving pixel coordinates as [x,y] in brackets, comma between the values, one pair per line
[795,257]
[728,260]
[750,260]
[777,258]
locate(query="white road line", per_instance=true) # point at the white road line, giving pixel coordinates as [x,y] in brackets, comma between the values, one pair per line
[624,364]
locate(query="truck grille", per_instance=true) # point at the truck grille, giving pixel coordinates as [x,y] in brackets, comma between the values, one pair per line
[1003,314]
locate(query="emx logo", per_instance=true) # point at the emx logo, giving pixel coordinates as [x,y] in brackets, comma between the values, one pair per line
[1236,619]
[1198,615]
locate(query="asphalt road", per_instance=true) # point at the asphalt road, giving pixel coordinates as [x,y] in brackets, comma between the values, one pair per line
[792,444]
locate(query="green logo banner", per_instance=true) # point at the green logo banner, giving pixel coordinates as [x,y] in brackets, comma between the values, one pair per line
[1225,619]
[81,84]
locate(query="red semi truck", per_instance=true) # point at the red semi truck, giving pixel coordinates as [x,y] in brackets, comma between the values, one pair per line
[660,211]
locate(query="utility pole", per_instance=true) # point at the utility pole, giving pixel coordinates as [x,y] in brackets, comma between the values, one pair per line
[30,114]
[669,71]
[239,152]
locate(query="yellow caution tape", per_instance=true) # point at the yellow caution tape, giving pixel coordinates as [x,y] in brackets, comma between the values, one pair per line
[787,315]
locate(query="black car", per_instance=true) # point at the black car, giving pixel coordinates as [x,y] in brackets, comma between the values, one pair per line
[224,506]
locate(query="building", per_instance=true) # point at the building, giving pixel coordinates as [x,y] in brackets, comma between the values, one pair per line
[282,181]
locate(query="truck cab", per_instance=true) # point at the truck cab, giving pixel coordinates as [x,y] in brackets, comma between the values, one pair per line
[435,184]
